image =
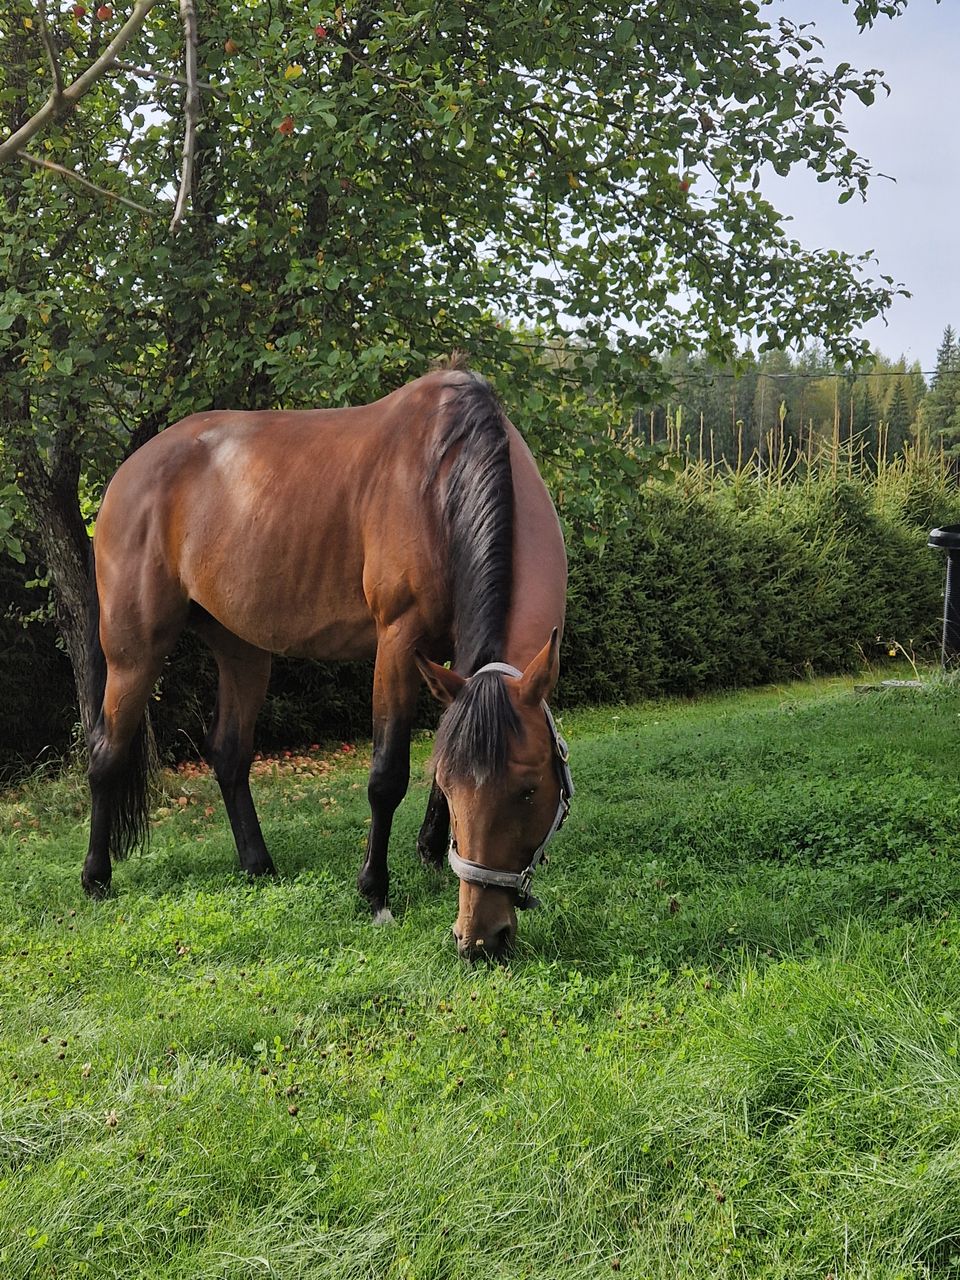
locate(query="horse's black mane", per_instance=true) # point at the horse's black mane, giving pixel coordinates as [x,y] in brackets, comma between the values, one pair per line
[476,503]
[473,736]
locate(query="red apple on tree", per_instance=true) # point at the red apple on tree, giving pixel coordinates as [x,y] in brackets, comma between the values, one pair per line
[286,126]
[104,13]
[79,11]
[230,46]
[320,31]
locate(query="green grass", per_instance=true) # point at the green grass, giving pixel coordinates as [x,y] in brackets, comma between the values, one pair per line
[727,1046]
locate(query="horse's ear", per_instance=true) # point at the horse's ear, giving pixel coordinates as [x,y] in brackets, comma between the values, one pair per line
[542,673]
[443,683]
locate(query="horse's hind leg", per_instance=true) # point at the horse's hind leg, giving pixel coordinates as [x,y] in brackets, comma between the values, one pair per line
[118,771]
[136,615]
[244,675]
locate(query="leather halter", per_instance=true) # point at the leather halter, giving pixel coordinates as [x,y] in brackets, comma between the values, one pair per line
[520,881]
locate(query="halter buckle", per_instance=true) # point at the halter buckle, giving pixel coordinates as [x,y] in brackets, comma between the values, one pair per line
[525,882]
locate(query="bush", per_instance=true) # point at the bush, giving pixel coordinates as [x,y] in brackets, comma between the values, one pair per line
[709,584]
[739,584]
[38,703]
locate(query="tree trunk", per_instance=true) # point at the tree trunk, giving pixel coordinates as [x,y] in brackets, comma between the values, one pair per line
[51,495]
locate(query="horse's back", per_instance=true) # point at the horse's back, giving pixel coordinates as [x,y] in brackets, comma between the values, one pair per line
[280,523]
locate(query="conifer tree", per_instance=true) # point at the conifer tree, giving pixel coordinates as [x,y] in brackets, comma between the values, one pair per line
[940,413]
[899,419]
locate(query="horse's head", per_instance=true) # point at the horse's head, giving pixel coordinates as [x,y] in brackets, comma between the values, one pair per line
[502,768]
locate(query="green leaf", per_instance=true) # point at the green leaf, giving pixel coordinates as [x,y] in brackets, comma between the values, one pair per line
[625,33]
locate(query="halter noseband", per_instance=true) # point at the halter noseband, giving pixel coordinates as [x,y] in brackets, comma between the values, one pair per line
[520,881]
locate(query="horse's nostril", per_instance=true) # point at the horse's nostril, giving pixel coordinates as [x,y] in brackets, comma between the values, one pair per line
[499,941]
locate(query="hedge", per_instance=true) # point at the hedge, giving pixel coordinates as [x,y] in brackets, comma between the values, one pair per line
[739,585]
[705,585]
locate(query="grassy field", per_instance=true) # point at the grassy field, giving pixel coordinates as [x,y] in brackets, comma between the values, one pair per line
[727,1046]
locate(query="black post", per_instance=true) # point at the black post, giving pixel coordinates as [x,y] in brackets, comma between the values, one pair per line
[948,539]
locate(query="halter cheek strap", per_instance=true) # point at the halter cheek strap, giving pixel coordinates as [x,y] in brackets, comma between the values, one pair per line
[520,881]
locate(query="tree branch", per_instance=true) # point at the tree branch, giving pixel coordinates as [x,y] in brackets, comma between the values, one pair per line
[84,182]
[191,109]
[51,51]
[144,73]
[71,95]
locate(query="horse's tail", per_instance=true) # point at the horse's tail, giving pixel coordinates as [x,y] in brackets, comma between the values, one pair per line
[125,781]
[96,673]
[476,506]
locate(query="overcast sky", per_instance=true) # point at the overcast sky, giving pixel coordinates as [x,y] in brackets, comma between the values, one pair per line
[913,135]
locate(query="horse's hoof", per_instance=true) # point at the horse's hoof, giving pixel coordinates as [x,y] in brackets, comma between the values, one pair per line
[260,870]
[383,916]
[430,857]
[95,889]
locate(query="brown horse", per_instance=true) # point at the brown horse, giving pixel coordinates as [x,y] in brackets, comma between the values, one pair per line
[416,529]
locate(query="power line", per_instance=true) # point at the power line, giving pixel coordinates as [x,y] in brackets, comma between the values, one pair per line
[826,373]
[561,349]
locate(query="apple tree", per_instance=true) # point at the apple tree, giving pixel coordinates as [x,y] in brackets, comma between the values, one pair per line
[251,203]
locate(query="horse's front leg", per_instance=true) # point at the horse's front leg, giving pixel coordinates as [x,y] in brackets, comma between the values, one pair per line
[395,688]
[432,840]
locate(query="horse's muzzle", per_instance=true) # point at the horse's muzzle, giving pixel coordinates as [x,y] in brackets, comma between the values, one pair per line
[495,946]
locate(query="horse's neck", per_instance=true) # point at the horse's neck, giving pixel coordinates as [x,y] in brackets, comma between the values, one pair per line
[539,562]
